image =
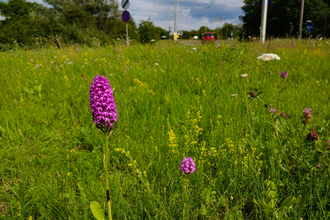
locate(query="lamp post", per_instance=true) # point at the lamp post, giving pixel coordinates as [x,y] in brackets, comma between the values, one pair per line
[301,17]
[206,16]
[263,20]
[175,30]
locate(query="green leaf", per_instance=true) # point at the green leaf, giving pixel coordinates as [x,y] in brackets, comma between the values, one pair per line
[97,211]
[272,190]
[222,201]
[288,202]
[267,207]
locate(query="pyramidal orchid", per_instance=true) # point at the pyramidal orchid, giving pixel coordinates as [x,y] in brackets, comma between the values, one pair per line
[284,74]
[104,112]
[102,104]
[187,166]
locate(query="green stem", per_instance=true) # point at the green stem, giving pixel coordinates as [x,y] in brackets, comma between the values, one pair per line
[105,162]
[185,198]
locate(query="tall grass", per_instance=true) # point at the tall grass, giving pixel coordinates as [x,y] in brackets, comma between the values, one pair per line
[172,102]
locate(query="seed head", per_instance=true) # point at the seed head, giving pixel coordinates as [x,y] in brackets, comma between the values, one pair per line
[283,115]
[312,135]
[253,93]
[305,121]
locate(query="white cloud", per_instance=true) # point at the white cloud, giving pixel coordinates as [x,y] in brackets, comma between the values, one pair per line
[191,13]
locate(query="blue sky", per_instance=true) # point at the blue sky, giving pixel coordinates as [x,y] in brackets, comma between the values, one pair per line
[191,13]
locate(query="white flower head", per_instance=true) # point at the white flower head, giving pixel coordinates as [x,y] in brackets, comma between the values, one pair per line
[269,57]
[244,75]
[156,64]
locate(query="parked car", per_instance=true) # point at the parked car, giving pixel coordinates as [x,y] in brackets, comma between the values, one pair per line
[208,37]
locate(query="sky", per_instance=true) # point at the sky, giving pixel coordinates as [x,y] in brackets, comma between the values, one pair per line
[191,13]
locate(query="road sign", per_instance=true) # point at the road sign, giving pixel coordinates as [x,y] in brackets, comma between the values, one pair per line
[125,16]
[125,4]
[260,3]
[309,27]
[180,33]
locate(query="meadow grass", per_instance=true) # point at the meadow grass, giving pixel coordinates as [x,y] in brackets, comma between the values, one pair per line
[173,101]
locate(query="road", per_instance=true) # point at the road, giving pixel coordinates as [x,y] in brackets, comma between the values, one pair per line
[193,42]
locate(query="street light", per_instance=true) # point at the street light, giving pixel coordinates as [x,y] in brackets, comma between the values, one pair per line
[206,16]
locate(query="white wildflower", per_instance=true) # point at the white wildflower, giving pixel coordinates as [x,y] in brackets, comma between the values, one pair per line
[244,75]
[268,57]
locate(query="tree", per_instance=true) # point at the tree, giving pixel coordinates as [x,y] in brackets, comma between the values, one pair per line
[161,32]
[226,30]
[147,31]
[16,10]
[283,17]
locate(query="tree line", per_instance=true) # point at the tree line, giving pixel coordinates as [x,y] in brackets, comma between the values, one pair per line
[283,18]
[98,22]
[87,22]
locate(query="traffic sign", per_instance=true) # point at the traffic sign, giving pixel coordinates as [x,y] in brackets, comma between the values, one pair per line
[125,4]
[309,27]
[125,16]
[260,3]
[180,33]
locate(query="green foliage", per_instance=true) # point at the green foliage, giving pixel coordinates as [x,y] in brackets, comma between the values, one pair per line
[268,202]
[16,10]
[97,211]
[227,29]
[283,18]
[66,22]
[161,32]
[147,31]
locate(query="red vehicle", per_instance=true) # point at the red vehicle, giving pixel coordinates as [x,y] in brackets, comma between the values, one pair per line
[208,37]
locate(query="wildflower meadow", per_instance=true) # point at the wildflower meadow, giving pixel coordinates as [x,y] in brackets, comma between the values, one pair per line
[166,131]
